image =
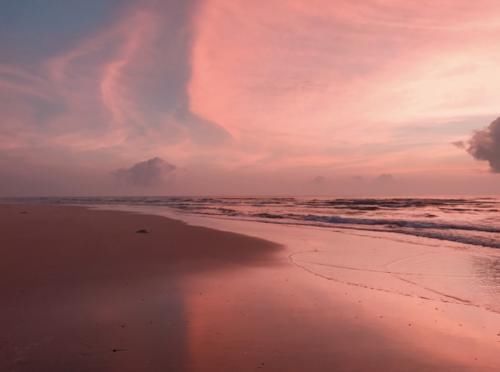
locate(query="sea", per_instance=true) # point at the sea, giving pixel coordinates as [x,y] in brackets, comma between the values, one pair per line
[468,220]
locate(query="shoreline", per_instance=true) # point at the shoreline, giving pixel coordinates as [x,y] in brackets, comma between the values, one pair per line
[212,307]
[437,218]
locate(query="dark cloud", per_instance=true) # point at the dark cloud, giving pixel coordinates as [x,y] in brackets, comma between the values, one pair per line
[485,145]
[148,173]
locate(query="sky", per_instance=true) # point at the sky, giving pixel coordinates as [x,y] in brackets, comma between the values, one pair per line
[236,97]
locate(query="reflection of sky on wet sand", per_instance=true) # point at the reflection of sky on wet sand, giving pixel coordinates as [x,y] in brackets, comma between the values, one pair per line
[415,291]
[488,276]
[111,300]
[282,319]
[425,268]
[431,297]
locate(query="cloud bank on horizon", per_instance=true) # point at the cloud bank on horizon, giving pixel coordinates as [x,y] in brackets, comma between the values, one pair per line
[249,97]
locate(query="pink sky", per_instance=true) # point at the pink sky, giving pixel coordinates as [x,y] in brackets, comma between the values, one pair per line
[244,97]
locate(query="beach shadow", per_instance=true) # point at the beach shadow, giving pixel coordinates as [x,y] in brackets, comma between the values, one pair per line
[84,292]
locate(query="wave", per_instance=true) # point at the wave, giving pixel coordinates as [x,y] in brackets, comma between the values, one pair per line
[471,220]
[400,223]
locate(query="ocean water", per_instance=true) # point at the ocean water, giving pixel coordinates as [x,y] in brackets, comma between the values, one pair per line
[471,220]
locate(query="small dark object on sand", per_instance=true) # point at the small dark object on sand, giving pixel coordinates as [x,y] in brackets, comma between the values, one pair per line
[142,231]
[116,350]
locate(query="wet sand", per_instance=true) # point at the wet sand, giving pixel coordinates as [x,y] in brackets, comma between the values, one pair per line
[83,291]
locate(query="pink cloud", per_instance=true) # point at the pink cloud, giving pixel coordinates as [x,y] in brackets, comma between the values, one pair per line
[324,73]
[304,87]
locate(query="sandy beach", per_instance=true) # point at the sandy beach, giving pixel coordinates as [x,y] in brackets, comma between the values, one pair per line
[83,290]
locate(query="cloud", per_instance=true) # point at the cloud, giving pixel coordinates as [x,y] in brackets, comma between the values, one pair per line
[459,144]
[291,95]
[319,180]
[148,173]
[485,145]
[385,179]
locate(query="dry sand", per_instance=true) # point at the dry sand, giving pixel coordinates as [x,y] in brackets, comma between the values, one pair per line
[83,291]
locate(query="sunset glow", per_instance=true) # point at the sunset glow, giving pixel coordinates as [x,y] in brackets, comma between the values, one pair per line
[244,185]
[245,97]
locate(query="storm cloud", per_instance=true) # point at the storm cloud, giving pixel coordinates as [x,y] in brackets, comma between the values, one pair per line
[148,173]
[485,145]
